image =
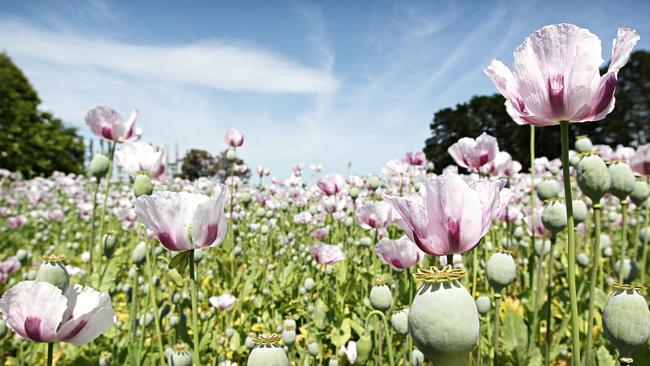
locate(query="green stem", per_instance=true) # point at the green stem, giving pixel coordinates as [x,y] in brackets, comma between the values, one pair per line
[595,260]
[133,320]
[495,339]
[50,352]
[91,244]
[568,196]
[644,256]
[108,185]
[621,260]
[549,303]
[538,301]
[533,272]
[195,321]
[152,293]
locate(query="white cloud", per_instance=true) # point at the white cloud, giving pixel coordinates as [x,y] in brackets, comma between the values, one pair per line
[211,64]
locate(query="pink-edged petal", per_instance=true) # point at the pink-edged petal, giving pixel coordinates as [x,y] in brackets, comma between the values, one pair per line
[169,215]
[209,222]
[413,218]
[501,76]
[34,310]
[622,46]
[92,314]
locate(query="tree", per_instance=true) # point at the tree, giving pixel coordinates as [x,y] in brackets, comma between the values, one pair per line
[31,141]
[225,168]
[627,124]
[200,163]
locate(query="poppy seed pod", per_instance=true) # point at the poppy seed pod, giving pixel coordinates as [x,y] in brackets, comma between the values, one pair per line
[483,304]
[400,322]
[374,182]
[108,245]
[593,177]
[580,211]
[289,336]
[630,270]
[231,155]
[607,252]
[3,329]
[139,253]
[501,270]
[542,247]
[380,296]
[267,352]
[622,180]
[640,192]
[53,271]
[99,166]
[364,349]
[583,259]
[180,356]
[417,358]
[443,320]
[626,320]
[583,144]
[644,234]
[142,185]
[313,348]
[547,189]
[554,217]
[354,192]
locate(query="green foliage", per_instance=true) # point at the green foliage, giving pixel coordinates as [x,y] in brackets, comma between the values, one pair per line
[31,141]
[200,163]
[627,124]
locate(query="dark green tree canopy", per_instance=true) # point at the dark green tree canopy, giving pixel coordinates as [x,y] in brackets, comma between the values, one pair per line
[200,163]
[627,124]
[31,141]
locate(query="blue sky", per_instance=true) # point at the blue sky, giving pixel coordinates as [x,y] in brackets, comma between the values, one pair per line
[307,82]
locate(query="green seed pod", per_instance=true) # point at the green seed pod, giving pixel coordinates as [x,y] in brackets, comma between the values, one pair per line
[626,320]
[605,241]
[583,259]
[180,356]
[430,167]
[644,235]
[142,185]
[580,211]
[198,255]
[231,155]
[622,180]
[583,144]
[501,270]
[313,348]
[554,217]
[108,245]
[593,177]
[400,322]
[542,247]
[374,182]
[23,255]
[99,166]
[309,283]
[417,358]
[354,192]
[105,359]
[547,189]
[3,329]
[518,233]
[53,271]
[444,322]
[483,304]
[364,349]
[289,337]
[607,252]
[640,193]
[139,253]
[630,270]
[380,297]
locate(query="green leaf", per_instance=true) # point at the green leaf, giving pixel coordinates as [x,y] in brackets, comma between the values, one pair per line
[604,358]
[320,314]
[515,332]
[180,261]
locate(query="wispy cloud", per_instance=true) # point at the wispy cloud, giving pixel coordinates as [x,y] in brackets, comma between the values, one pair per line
[212,64]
